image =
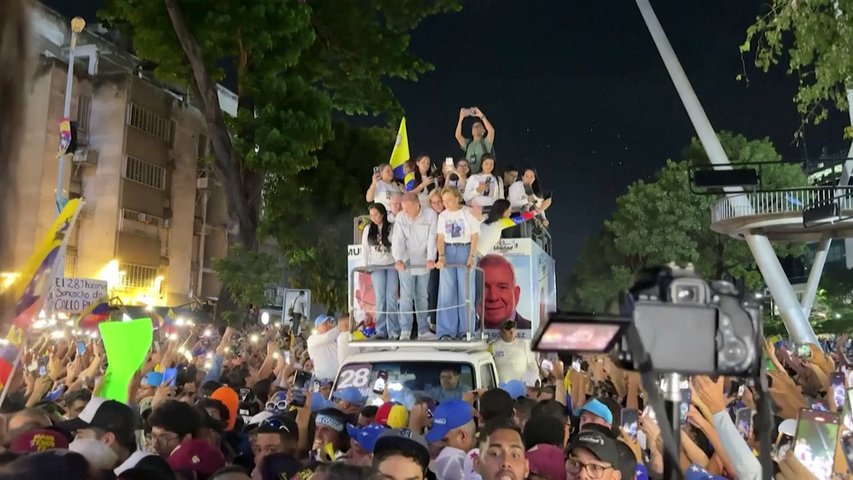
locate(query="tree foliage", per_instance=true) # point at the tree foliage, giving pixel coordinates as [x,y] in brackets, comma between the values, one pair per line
[313,218]
[815,37]
[247,274]
[662,221]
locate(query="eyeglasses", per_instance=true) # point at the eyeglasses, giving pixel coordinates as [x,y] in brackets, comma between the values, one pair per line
[163,438]
[574,466]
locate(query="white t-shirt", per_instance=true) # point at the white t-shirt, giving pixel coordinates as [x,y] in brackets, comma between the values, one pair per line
[493,191]
[323,351]
[490,235]
[375,254]
[382,193]
[457,227]
[515,360]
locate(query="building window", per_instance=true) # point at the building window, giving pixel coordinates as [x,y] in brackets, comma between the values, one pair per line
[138,276]
[149,122]
[145,173]
[202,147]
[84,112]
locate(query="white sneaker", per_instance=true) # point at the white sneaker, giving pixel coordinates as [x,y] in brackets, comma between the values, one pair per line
[427,336]
[405,336]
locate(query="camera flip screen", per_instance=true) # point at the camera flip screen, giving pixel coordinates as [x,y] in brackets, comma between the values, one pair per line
[590,337]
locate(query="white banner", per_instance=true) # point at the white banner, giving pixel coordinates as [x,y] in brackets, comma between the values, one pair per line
[73,295]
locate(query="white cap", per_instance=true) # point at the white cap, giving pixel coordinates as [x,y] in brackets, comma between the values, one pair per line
[131,461]
[788,427]
[259,418]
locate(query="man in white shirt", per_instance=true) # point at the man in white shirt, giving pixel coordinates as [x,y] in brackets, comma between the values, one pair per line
[297,311]
[513,356]
[413,243]
[324,346]
[453,425]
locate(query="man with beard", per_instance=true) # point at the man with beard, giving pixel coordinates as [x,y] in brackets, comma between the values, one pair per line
[502,453]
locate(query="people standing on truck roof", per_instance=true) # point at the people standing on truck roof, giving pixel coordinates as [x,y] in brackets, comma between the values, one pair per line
[458,233]
[450,387]
[382,186]
[327,347]
[484,188]
[376,255]
[513,356]
[413,243]
[482,133]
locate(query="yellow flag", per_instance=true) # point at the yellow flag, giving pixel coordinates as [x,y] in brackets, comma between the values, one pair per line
[400,154]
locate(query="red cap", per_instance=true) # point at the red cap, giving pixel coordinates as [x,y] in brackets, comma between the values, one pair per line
[547,461]
[197,456]
[38,440]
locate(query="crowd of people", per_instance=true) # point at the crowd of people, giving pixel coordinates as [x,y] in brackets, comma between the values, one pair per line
[258,404]
[428,228]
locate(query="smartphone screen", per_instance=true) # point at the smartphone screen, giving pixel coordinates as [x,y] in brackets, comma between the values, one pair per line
[743,422]
[81,348]
[448,161]
[316,386]
[839,390]
[847,412]
[820,406]
[298,397]
[803,351]
[375,170]
[686,399]
[576,364]
[783,446]
[814,445]
[42,365]
[301,380]
[381,380]
[628,421]
[169,376]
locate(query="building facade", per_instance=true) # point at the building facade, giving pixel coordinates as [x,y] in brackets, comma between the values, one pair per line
[154,215]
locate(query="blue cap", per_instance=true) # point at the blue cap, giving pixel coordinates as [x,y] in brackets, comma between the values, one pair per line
[598,409]
[350,395]
[367,435]
[321,319]
[515,388]
[318,402]
[448,416]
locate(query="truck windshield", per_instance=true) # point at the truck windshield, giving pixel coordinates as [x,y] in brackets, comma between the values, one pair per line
[441,381]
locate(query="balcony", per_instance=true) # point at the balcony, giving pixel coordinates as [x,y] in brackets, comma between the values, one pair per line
[779,214]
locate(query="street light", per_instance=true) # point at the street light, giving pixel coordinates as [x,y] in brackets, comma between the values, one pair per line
[77,26]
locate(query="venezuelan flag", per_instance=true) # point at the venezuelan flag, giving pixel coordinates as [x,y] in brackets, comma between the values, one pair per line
[97,312]
[400,154]
[516,219]
[9,353]
[409,182]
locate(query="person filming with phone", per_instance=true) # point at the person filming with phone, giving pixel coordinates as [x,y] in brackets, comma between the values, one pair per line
[482,133]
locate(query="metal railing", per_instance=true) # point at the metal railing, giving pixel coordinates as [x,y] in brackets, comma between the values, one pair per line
[794,200]
[472,300]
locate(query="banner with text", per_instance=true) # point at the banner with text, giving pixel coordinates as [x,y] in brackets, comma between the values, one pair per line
[73,295]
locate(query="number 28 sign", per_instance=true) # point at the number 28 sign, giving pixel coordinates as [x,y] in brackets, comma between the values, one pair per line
[357,376]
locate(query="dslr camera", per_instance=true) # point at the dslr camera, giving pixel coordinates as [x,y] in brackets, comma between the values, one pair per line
[690,326]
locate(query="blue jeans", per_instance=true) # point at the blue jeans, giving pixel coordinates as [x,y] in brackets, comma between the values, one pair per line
[414,288]
[385,285]
[452,288]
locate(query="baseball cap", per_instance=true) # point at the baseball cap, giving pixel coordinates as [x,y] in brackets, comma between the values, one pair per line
[515,388]
[367,435]
[38,440]
[397,437]
[392,415]
[350,395]
[321,319]
[258,419]
[281,424]
[547,461]
[319,402]
[448,416]
[598,409]
[108,415]
[196,455]
[601,445]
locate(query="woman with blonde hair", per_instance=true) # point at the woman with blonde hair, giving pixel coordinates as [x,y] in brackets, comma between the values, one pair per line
[458,233]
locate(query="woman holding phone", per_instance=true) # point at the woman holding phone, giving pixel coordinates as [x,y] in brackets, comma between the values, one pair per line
[376,252]
[485,187]
[382,186]
[458,234]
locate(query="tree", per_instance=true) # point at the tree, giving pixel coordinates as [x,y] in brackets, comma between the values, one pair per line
[317,223]
[816,39]
[663,221]
[246,274]
[295,61]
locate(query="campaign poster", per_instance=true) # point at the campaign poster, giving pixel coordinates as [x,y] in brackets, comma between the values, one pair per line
[361,297]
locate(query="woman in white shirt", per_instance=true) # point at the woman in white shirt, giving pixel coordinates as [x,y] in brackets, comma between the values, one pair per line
[458,233]
[382,186]
[500,218]
[485,187]
[376,251]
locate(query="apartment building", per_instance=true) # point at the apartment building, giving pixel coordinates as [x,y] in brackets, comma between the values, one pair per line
[154,215]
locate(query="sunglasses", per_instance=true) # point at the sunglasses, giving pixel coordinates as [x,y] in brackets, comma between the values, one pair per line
[279,405]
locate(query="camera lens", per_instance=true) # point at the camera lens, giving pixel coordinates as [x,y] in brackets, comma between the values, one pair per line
[686,294]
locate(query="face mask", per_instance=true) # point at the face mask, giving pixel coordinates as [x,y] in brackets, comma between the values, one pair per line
[98,453]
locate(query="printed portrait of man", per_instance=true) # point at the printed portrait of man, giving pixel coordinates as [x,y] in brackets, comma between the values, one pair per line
[501,293]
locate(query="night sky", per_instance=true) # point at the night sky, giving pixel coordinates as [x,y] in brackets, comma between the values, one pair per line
[577,90]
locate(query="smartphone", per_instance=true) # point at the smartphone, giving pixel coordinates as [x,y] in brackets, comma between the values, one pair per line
[81,348]
[803,351]
[814,443]
[628,421]
[783,446]
[576,364]
[839,389]
[316,386]
[686,399]
[287,357]
[375,170]
[847,448]
[650,412]
[302,379]
[381,380]
[448,161]
[42,365]
[298,397]
[743,422]
[170,375]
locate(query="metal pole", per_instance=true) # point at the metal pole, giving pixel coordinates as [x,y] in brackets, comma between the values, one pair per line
[814,275]
[77,25]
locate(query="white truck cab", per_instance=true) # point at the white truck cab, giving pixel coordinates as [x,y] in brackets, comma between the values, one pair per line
[417,367]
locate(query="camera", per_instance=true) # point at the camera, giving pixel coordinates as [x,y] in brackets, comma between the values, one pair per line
[683,324]
[687,325]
